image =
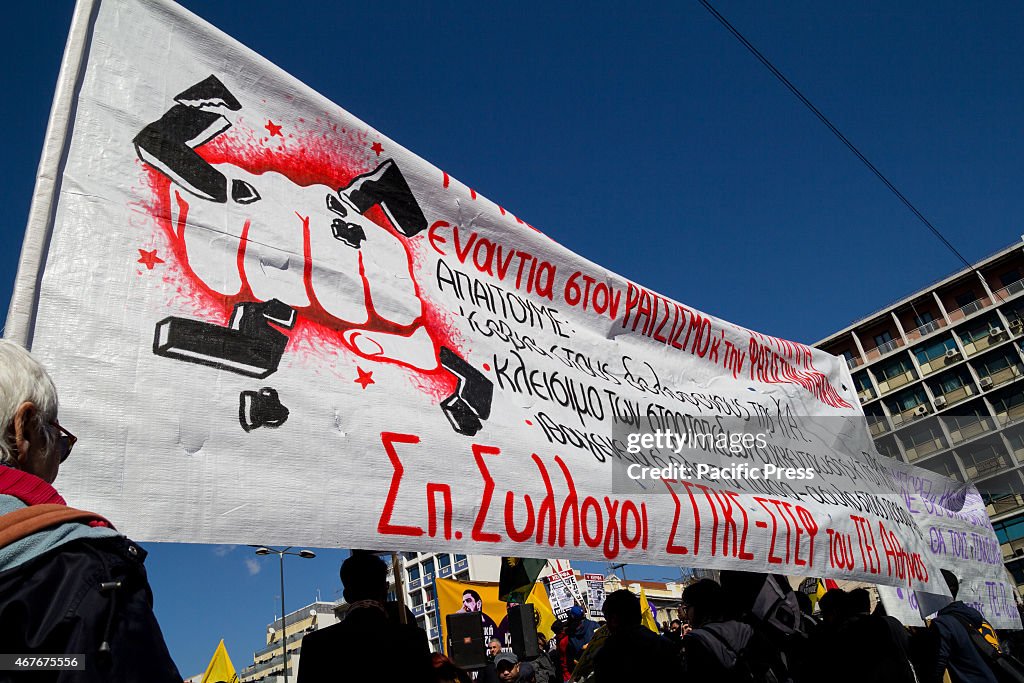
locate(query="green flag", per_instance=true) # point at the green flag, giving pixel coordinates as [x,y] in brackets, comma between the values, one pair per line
[518,574]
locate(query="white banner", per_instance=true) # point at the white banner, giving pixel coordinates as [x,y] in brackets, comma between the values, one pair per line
[960,539]
[270,323]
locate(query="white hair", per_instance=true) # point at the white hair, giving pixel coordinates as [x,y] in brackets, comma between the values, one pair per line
[22,379]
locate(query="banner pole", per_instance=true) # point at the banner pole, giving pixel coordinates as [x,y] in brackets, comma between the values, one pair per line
[21,315]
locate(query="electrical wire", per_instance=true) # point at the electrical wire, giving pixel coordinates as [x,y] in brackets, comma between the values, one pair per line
[824,119]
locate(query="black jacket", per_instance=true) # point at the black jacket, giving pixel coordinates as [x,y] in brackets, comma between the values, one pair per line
[90,598]
[366,646]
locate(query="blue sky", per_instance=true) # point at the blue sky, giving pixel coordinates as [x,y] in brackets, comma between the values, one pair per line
[643,137]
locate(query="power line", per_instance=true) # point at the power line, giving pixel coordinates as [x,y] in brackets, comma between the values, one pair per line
[824,119]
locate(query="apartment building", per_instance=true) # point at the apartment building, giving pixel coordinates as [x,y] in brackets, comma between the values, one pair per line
[268,663]
[938,374]
[420,572]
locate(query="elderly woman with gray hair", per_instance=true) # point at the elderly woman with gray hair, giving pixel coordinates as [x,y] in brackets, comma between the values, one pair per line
[71,586]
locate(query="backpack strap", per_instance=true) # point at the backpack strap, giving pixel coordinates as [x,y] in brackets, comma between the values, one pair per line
[26,521]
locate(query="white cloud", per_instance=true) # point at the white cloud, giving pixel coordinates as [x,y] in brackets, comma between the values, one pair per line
[222,550]
[253,565]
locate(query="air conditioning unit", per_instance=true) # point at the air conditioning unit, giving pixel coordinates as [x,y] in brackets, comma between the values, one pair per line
[985,383]
[921,410]
[995,331]
[952,353]
[940,402]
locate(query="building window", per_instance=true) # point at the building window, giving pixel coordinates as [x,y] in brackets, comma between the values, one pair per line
[417,598]
[991,365]
[444,560]
[862,381]
[414,572]
[966,299]
[952,382]
[908,400]
[428,566]
[894,368]
[1009,277]
[923,319]
[936,349]
[883,338]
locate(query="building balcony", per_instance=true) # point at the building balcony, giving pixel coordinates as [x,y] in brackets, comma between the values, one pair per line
[955,396]
[883,349]
[1009,290]
[417,610]
[925,448]
[430,606]
[444,572]
[910,414]
[878,426]
[1011,414]
[987,466]
[1008,503]
[970,309]
[854,362]
[999,377]
[461,564]
[995,335]
[925,330]
[896,381]
[969,430]
[428,580]
[866,395]
[415,584]
[940,362]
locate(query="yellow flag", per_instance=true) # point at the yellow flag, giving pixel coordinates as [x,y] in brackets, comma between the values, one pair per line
[546,616]
[220,670]
[648,613]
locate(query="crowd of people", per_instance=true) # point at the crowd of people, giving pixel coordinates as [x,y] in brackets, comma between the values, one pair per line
[69,582]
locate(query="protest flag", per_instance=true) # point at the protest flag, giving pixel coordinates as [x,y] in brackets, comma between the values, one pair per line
[220,669]
[648,612]
[518,574]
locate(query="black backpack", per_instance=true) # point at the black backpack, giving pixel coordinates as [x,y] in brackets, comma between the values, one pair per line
[746,669]
[1005,668]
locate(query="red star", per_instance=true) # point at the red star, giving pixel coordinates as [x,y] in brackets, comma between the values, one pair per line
[149,258]
[274,129]
[364,377]
[376,147]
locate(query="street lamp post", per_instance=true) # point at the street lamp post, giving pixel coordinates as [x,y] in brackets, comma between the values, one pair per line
[281,552]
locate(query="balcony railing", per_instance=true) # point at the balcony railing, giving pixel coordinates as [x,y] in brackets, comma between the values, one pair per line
[896,381]
[461,564]
[877,426]
[925,448]
[854,362]
[925,329]
[954,396]
[1007,503]
[1009,290]
[884,348]
[417,610]
[415,583]
[920,410]
[444,571]
[969,309]
[1007,374]
[428,579]
[963,431]
[987,466]
[866,395]
[1011,414]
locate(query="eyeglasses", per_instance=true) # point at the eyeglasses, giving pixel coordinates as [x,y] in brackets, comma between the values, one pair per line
[66,441]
